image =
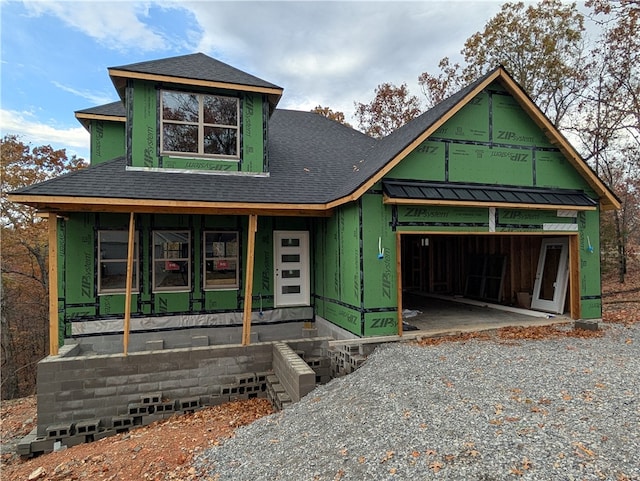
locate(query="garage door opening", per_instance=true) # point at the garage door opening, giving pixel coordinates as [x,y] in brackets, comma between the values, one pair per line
[528,272]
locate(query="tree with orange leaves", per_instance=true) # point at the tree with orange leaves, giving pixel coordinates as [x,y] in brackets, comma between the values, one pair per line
[24,282]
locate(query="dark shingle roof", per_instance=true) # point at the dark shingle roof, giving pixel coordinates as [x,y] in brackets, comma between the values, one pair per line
[191,68]
[196,66]
[312,160]
[114,109]
[308,154]
[391,145]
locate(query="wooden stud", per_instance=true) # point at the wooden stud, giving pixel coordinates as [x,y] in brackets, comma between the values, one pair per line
[128,284]
[399,279]
[248,285]
[53,285]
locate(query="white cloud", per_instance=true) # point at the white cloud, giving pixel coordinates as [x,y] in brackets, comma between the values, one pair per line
[30,129]
[93,97]
[336,53]
[115,25]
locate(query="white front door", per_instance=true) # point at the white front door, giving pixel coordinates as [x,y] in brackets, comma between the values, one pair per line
[550,287]
[291,266]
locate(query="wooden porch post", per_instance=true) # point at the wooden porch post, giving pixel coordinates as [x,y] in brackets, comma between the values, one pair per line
[399,279]
[53,285]
[128,284]
[248,285]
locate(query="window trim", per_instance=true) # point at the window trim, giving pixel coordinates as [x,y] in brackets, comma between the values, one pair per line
[205,258]
[201,126]
[154,261]
[135,287]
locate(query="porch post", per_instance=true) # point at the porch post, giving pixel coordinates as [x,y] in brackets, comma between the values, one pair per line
[399,279]
[128,284]
[248,285]
[53,285]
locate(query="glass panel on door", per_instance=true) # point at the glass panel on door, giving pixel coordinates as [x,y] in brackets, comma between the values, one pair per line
[291,268]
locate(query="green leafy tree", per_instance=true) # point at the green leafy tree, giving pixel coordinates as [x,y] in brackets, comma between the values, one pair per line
[25,280]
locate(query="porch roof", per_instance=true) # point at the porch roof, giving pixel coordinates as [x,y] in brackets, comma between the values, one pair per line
[403,191]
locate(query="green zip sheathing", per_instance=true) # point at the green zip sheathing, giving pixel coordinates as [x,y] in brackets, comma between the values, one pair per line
[380,289]
[355,268]
[337,269]
[590,275]
[107,140]
[492,140]
[144,138]
[78,278]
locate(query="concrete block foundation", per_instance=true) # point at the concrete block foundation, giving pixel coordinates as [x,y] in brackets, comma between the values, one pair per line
[83,397]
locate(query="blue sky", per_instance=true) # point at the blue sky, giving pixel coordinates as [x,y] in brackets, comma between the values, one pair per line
[55,55]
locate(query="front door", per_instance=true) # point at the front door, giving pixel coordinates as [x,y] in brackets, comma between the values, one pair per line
[550,287]
[291,266]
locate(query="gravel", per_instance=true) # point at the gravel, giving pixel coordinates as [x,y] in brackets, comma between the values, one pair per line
[558,409]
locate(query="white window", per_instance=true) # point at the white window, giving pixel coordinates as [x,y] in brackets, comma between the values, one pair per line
[112,261]
[220,260]
[171,260]
[200,124]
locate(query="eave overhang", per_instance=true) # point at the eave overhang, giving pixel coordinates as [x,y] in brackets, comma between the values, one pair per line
[119,78]
[62,204]
[85,119]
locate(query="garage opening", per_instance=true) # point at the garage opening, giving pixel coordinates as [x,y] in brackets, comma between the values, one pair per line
[521,272]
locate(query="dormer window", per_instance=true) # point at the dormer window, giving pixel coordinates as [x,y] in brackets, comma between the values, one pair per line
[200,124]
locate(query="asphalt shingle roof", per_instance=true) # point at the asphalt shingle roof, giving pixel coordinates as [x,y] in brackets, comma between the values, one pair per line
[312,160]
[197,66]
[114,109]
[308,154]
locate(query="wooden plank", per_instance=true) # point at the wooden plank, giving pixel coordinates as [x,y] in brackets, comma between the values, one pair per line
[128,284]
[248,285]
[53,285]
[165,206]
[399,279]
[574,277]
[197,82]
[111,118]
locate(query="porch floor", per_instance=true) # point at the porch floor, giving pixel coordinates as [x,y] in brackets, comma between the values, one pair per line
[442,315]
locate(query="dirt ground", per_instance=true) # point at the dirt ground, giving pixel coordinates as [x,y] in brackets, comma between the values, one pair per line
[162,451]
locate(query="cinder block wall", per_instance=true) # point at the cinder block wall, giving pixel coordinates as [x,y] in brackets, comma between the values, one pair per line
[294,374]
[74,387]
[177,339]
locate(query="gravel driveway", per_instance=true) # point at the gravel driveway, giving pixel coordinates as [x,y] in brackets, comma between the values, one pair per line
[558,409]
